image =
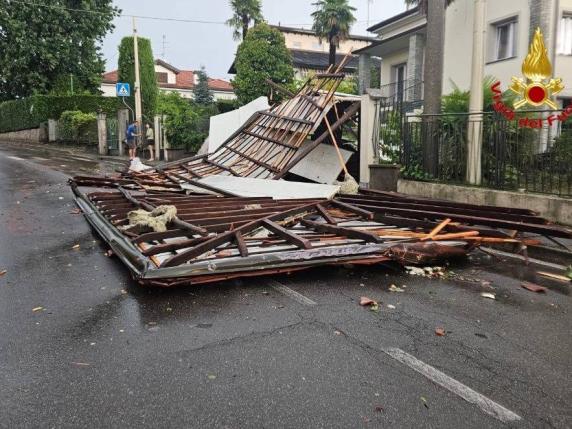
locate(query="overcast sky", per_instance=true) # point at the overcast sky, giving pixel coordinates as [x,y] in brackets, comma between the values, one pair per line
[190,45]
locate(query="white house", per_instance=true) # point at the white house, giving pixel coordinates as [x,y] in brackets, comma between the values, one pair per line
[311,55]
[509,25]
[171,79]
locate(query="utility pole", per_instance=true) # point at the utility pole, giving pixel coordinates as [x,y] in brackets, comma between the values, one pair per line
[71,83]
[164,50]
[137,81]
[475,122]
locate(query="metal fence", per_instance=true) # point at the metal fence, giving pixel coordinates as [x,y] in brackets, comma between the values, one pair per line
[513,157]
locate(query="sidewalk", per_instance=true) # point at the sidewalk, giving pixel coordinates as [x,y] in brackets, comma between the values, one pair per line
[77,151]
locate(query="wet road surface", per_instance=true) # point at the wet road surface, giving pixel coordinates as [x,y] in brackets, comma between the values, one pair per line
[103,352]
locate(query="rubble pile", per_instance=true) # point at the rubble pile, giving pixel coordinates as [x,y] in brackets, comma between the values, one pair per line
[220,216]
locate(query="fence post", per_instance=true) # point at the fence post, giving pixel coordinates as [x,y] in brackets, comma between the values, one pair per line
[364,73]
[122,120]
[158,136]
[164,139]
[102,133]
[367,126]
[52,124]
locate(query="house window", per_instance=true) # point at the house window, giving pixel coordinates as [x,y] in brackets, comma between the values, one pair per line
[565,36]
[162,77]
[505,40]
[297,45]
[317,45]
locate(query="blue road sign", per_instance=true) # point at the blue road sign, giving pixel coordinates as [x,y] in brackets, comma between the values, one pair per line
[122,89]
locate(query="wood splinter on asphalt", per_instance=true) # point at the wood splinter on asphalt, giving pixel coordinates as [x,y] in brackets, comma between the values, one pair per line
[436,230]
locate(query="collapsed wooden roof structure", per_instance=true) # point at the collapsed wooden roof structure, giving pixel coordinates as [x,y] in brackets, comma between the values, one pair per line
[271,142]
[216,238]
[216,235]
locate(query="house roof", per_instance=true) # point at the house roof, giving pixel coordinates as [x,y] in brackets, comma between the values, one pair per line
[313,33]
[303,59]
[391,43]
[185,79]
[394,18]
[168,66]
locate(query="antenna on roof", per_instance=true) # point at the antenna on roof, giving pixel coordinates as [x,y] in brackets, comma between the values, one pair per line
[164,50]
[368,3]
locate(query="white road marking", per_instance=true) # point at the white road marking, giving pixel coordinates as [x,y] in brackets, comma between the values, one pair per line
[291,293]
[487,405]
[16,158]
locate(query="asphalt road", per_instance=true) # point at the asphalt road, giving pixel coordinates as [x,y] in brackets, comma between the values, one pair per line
[103,352]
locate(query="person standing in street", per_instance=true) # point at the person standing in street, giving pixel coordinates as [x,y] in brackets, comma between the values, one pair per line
[150,141]
[130,136]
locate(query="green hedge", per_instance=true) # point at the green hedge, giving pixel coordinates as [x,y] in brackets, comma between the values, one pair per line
[30,112]
[226,105]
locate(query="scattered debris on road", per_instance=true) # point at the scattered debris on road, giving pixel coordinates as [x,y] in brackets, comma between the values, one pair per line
[3,272]
[488,295]
[440,332]
[533,287]
[554,276]
[36,309]
[368,302]
[394,288]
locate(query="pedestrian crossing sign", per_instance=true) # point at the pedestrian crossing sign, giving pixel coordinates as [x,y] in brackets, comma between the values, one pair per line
[122,89]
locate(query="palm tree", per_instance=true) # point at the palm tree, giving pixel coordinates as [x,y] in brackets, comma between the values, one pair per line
[433,68]
[245,11]
[332,21]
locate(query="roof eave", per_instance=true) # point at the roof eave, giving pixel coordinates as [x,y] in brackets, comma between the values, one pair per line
[393,19]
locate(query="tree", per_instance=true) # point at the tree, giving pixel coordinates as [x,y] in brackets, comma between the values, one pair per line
[186,123]
[262,55]
[332,21]
[201,92]
[41,43]
[245,12]
[126,73]
[433,69]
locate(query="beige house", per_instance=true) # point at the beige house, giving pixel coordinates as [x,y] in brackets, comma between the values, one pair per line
[509,26]
[171,79]
[310,55]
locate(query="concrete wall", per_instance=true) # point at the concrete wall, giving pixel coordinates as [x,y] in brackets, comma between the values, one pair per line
[553,208]
[34,135]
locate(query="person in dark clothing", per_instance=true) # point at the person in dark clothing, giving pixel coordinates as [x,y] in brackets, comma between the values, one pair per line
[130,137]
